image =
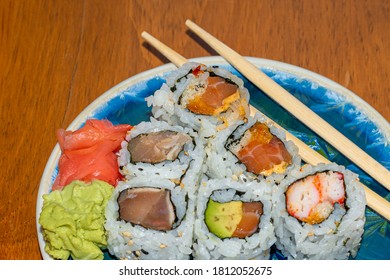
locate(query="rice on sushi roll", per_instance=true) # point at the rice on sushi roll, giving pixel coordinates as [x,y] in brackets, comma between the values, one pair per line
[207,99]
[150,219]
[254,149]
[161,150]
[233,220]
[319,213]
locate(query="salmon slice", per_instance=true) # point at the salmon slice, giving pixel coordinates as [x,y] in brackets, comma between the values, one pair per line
[251,213]
[216,98]
[261,152]
[149,207]
[156,147]
[89,153]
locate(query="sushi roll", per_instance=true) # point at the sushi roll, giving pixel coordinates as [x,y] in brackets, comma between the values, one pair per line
[207,99]
[157,149]
[319,213]
[150,219]
[254,149]
[233,220]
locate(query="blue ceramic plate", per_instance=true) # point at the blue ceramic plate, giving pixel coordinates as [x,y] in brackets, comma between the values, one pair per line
[125,103]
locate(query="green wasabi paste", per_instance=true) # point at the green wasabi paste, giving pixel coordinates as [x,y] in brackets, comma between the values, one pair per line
[72,220]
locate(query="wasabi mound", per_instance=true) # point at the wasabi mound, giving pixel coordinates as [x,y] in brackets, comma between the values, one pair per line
[72,220]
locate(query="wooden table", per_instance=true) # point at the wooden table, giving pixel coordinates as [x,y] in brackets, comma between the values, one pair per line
[57,56]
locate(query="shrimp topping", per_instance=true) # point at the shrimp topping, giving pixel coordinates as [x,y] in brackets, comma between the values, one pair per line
[311,199]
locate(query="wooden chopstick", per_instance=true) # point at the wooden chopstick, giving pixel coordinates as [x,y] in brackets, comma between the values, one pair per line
[173,56]
[374,201]
[297,108]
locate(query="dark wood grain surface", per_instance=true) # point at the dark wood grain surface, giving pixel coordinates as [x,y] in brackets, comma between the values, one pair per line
[57,56]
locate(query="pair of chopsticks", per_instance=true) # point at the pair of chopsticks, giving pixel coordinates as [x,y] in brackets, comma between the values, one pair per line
[298,109]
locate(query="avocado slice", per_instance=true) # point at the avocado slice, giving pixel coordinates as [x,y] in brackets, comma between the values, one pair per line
[222,218]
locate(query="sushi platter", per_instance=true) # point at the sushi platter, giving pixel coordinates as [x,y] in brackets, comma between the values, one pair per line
[203,162]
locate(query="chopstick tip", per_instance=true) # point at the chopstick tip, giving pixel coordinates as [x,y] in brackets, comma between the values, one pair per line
[144,34]
[188,22]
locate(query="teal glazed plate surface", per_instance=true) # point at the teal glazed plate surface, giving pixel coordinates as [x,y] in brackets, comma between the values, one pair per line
[125,103]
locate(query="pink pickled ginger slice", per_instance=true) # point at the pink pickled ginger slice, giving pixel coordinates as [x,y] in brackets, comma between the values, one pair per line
[89,153]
